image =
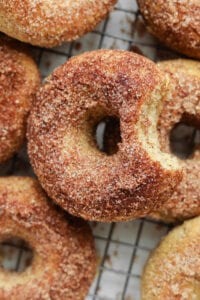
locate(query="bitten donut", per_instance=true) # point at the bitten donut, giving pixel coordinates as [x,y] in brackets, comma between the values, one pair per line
[175,23]
[19,79]
[49,23]
[172,271]
[181,106]
[63,151]
[63,263]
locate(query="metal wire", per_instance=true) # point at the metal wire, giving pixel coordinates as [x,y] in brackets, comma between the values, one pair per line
[107,240]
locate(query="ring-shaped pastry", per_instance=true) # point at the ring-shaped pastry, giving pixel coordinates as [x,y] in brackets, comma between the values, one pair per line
[63,152]
[50,23]
[172,271]
[175,23]
[63,264]
[19,80]
[182,105]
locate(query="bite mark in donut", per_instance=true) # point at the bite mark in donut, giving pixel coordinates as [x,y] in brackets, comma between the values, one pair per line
[83,180]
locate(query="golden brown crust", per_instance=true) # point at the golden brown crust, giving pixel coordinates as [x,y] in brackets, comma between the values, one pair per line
[80,178]
[175,23]
[64,257]
[19,80]
[49,23]
[183,105]
[172,271]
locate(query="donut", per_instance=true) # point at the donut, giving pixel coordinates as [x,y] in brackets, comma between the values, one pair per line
[63,264]
[50,23]
[19,80]
[174,23]
[172,271]
[181,106]
[61,145]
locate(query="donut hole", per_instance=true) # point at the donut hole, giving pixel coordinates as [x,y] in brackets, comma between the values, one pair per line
[107,135]
[16,255]
[184,140]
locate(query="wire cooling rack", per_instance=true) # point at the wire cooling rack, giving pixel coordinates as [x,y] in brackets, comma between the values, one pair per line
[122,248]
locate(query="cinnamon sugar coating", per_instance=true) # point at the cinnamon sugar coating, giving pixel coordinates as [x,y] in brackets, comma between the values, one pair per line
[173,269]
[63,151]
[183,105]
[19,80]
[51,22]
[176,23]
[64,259]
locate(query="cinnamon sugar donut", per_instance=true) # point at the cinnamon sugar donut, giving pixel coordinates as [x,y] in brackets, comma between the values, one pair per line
[61,145]
[63,262]
[172,271]
[19,79]
[175,23]
[49,23]
[182,106]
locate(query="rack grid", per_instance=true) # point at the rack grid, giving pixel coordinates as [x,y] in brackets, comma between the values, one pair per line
[122,247]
